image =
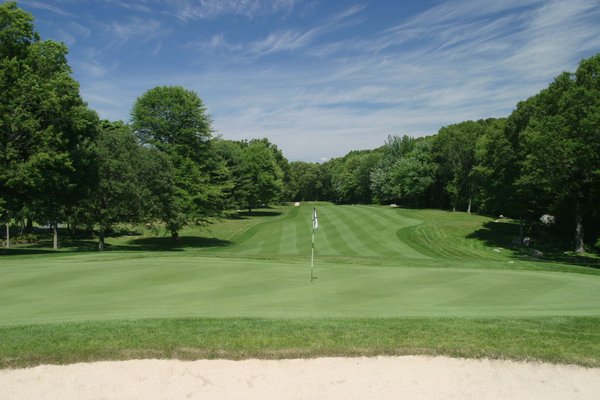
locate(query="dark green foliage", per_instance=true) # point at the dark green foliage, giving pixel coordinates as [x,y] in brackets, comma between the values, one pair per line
[16,31]
[306,182]
[174,121]
[257,172]
[46,130]
[455,152]
[384,189]
[350,176]
[414,174]
[547,158]
[120,194]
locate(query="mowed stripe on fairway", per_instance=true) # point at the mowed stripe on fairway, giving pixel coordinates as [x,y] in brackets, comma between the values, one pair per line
[343,231]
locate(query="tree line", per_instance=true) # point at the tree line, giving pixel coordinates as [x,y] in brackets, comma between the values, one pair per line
[543,160]
[61,164]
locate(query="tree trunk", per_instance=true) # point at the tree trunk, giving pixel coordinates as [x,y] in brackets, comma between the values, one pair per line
[101,240]
[55,231]
[578,230]
[7,234]
[521,230]
[29,226]
[174,236]
[469,207]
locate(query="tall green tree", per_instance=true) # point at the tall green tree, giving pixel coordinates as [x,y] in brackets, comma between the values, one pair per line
[119,194]
[382,184]
[16,36]
[261,177]
[46,130]
[174,120]
[562,144]
[306,182]
[413,175]
[351,176]
[454,148]
[232,154]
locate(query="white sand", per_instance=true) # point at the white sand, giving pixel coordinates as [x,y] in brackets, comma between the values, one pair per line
[323,378]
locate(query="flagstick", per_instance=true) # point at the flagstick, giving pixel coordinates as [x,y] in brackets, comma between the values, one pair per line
[315,224]
[312,255]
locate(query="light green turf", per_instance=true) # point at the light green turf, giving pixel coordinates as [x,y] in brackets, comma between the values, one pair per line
[368,231]
[370,263]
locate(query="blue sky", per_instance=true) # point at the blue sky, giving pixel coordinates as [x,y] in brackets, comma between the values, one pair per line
[321,78]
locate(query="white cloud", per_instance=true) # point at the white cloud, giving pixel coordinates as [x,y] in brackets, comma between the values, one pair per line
[78,29]
[338,88]
[66,37]
[216,42]
[282,41]
[187,10]
[449,64]
[352,10]
[45,6]
[94,69]
[156,50]
[140,29]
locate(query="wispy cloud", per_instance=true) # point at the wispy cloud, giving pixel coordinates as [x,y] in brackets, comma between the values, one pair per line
[275,42]
[45,6]
[156,50]
[216,42]
[333,80]
[355,9]
[144,6]
[78,29]
[281,40]
[135,28]
[448,64]
[94,69]
[187,10]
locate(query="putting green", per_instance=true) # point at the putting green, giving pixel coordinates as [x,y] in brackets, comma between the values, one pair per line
[230,281]
[102,286]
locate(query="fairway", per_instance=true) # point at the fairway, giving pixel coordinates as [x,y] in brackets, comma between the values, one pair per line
[371,262]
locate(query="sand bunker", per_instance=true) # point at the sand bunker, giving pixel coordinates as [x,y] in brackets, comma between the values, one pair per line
[324,378]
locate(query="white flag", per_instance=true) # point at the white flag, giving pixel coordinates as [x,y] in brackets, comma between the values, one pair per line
[315,220]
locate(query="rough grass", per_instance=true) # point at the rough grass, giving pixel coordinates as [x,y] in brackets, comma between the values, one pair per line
[559,340]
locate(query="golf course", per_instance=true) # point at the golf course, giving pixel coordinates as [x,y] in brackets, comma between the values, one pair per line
[388,281]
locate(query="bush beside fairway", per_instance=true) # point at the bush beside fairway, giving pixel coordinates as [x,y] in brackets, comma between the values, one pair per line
[391,281]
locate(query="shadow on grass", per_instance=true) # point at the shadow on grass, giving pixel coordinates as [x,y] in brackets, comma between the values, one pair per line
[546,249]
[44,246]
[20,251]
[167,244]
[137,244]
[248,214]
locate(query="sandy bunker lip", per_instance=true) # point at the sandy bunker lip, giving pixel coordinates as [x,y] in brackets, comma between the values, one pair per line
[324,378]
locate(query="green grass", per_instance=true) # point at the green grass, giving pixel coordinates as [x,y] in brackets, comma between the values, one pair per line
[390,281]
[572,340]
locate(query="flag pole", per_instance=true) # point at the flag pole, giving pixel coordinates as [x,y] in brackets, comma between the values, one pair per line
[312,255]
[315,225]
